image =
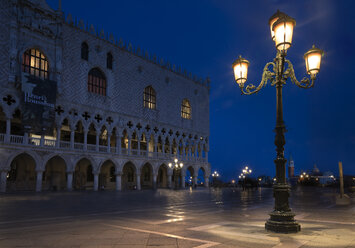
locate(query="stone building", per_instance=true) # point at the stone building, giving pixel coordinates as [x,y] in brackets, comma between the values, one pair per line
[82,110]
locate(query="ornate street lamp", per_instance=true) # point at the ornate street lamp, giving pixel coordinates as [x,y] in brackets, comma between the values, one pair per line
[281,27]
[177,167]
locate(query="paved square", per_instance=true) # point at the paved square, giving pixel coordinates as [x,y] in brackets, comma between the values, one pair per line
[165,218]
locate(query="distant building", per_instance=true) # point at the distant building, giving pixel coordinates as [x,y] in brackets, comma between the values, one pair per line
[291,168]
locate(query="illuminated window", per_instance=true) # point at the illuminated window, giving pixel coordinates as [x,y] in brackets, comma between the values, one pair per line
[149,98]
[84,51]
[186,109]
[97,82]
[109,61]
[35,63]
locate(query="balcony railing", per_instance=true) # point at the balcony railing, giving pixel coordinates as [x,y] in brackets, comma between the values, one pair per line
[78,146]
[16,139]
[65,144]
[91,147]
[48,142]
[32,141]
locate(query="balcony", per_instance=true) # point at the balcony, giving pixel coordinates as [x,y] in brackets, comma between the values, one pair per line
[52,144]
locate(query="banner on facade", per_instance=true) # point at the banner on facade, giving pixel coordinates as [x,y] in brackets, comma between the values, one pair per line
[38,104]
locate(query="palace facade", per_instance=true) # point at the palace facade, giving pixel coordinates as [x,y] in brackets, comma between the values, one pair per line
[82,110]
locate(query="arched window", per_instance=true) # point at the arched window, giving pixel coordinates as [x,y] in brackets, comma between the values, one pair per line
[84,51]
[186,109]
[35,63]
[97,82]
[109,61]
[149,98]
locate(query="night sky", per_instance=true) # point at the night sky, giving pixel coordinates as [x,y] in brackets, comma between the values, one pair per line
[205,37]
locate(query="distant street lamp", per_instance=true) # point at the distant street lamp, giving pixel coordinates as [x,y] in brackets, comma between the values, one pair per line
[176,166]
[215,175]
[281,26]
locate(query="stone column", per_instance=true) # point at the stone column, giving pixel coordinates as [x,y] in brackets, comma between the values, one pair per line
[8,130]
[170,148]
[170,186]
[195,153]
[70,181]
[109,142]
[118,144]
[155,181]
[129,145]
[118,181]
[72,135]
[207,182]
[85,140]
[183,179]
[148,141]
[96,182]
[138,182]
[25,138]
[57,143]
[195,181]
[206,156]
[41,142]
[3,176]
[183,151]
[139,145]
[39,181]
[163,146]
[155,152]
[97,142]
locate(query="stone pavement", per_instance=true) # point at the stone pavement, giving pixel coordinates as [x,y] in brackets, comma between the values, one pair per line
[187,218]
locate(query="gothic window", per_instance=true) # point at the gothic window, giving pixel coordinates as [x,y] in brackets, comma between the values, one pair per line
[35,63]
[149,98]
[84,51]
[109,61]
[97,82]
[186,109]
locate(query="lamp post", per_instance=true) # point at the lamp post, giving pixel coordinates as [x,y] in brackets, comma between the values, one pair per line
[281,26]
[215,175]
[176,166]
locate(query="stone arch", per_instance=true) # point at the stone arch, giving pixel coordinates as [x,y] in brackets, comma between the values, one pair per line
[22,172]
[129,176]
[54,174]
[84,173]
[107,176]
[162,176]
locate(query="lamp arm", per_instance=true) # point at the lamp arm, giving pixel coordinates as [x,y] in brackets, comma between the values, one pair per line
[267,75]
[305,83]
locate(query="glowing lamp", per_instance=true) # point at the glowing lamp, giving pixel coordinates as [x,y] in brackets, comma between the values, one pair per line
[313,59]
[283,31]
[272,20]
[240,68]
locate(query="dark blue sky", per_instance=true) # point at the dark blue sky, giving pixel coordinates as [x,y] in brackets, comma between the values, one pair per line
[205,37]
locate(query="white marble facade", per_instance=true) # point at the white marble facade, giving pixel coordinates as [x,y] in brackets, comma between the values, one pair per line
[133,144]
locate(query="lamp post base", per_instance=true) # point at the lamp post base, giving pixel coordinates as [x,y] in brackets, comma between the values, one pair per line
[282,222]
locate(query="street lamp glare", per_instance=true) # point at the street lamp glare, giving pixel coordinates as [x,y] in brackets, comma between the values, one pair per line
[283,30]
[312,59]
[175,160]
[240,68]
[170,165]
[246,167]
